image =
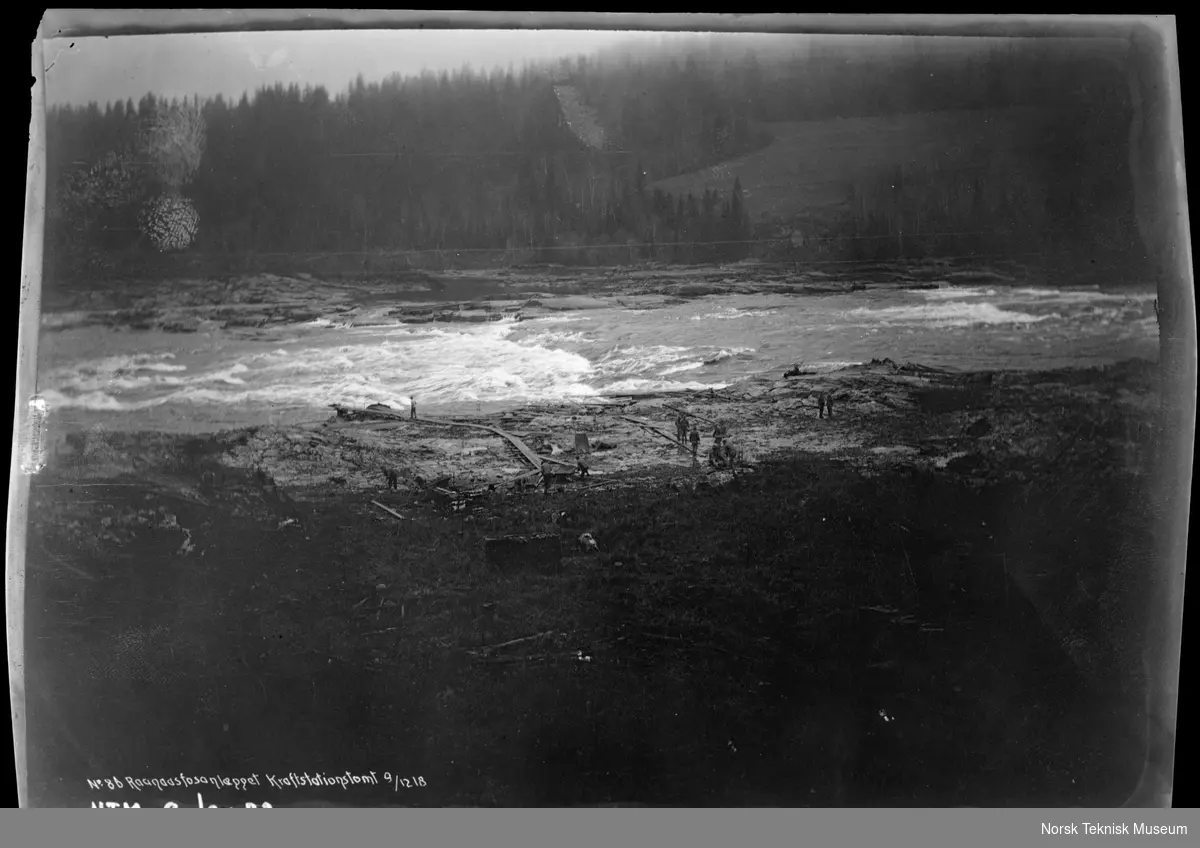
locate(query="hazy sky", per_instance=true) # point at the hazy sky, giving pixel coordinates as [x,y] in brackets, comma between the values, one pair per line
[120,67]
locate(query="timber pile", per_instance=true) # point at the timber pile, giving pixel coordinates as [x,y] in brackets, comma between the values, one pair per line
[347,413]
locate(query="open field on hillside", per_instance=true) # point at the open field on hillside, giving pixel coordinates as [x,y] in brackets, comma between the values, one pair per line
[808,170]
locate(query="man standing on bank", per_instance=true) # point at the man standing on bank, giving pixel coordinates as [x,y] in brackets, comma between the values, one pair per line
[412,408]
[681,428]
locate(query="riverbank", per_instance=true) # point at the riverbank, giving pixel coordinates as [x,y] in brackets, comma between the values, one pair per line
[929,599]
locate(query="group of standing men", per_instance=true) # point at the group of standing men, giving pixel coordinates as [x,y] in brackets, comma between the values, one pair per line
[686,434]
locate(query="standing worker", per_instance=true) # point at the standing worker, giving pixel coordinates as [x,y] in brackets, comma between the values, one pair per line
[681,428]
[412,408]
[694,438]
[546,476]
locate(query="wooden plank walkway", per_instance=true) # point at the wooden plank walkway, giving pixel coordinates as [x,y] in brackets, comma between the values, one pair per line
[534,459]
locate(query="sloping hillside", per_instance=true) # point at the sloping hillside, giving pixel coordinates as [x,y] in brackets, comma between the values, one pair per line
[809,169]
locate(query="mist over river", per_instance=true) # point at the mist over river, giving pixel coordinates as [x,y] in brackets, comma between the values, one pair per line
[218,378]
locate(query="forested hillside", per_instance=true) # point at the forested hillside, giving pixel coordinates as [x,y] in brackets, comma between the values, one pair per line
[604,159]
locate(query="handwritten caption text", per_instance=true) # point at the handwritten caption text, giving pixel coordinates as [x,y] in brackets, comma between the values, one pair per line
[291,780]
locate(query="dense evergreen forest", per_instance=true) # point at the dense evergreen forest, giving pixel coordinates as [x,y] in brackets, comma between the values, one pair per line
[557,163]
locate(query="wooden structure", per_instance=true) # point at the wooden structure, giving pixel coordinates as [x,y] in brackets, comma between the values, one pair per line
[530,456]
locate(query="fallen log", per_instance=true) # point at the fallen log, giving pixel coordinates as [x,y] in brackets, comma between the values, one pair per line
[512,642]
[641,396]
[651,428]
[350,414]
[731,467]
[924,369]
[391,511]
[596,485]
[479,658]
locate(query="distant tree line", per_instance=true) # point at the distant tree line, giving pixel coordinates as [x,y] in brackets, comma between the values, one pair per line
[1071,194]
[556,162]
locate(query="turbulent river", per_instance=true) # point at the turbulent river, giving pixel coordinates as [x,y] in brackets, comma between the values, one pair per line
[218,379]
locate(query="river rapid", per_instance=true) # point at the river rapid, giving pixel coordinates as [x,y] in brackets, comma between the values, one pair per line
[219,379]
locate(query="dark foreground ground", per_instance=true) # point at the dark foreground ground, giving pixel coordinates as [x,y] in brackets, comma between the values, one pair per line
[824,630]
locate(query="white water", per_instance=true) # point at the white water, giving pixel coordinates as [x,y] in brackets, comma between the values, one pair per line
[215,379]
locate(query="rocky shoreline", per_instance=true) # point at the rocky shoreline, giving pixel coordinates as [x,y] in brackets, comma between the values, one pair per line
[998,425]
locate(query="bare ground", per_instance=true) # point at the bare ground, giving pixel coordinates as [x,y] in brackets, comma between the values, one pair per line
[930,599]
